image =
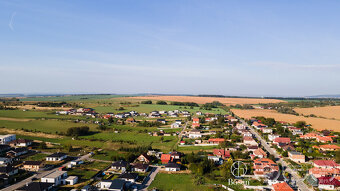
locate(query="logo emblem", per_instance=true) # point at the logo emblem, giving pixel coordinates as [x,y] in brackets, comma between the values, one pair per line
[238,169]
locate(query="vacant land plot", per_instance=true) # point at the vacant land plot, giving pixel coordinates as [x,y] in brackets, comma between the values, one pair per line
[39,108]
[317,123]
[203,100]
[331,112]
[176,182]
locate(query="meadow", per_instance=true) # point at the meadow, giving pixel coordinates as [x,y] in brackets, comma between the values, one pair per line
[176,182]
[317,123]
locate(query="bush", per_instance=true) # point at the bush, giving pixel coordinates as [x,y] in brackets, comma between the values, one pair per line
[146,102]
[78,131]
[161,103]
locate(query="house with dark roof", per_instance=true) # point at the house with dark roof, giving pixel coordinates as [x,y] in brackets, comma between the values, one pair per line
[36,186]
[112,185]
[139,167]
[17,152]
[56,157]
[172,167]
[120,165]
[21,143]
[144,158]
[129,177]
[4,148]
[8,170]
[275,177]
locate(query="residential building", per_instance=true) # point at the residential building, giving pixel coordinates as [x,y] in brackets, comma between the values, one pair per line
[144,158]
[5,139]
[129,177]
[325,164]
[57,177]
[264,166]
[194,134]
[249,141]
[8,170]
[56,157]
[259,153]
[172,167]
[32,165]
[120,165]
[328,183]
[139,167]
[282,187]
[297,157]
[222,153]
[71,180]
[20,143]
[36,186]
[216,141]
[112,185]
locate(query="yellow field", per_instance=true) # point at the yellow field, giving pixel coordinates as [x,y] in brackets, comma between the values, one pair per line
[203,100]
[327,112]
[317,123]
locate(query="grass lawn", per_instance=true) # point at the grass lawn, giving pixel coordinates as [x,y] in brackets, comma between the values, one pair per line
[189,149]
[32,114]
[176,182]
[36,157]
[87,170]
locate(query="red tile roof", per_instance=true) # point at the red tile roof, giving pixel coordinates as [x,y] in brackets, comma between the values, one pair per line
[329,181]
[282,140]
[325,163]
[282,187]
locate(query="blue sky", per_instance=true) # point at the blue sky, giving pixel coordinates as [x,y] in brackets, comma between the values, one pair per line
[262,48]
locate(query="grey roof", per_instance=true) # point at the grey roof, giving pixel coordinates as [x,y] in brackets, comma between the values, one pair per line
[172,165]
[36,186]
[55,174]
[117,184]
[57,155]
[120,164]
[129,176]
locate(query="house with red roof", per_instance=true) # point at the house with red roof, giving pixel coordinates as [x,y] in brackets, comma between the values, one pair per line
[259,153]
[319,172]
[280,141]
[195,122]
[325,164]
[216,140]
[329,147]
[264,166]
[166,158]
[249,141]
[258,125]
[283,186]
[328,183]
[222,153]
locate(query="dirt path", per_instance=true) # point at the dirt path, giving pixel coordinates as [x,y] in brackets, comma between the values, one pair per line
[31,134]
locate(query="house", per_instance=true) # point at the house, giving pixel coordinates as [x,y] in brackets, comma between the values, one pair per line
[71,180]
[281,141]
[175,125]
[176,155]
[249,141]
[266,130]
[326,139]
[216,159]
[295,130]
[17,152]
[129,177]
[289,147]
[56,157]
[264,166]
[36,186]
[222,153]
[195,122]
[112,185]
[56,177]
[178,121]
[275,177]
[4,148]
[166,158]
[161,121]
[325,164]
[32,165]
[182,143]
[8,170]
[20,143]
[252,148]
[120,165]
[194,134]
[296,157]
[259,153]
[328,183]
[319,172]
[5,161]
[216,140]
[130,120]
[329,147]
[282,187]
[272,137]
[144,158]
[172,167]
[258,125]
[139,167]
[5,139]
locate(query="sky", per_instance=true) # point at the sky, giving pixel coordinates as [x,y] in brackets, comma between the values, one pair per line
[244,48]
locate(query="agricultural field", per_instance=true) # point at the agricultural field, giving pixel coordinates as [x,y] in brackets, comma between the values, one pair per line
[203,100]
[330,112]
[176,182]
[68,98]
[32,114]
[317,123]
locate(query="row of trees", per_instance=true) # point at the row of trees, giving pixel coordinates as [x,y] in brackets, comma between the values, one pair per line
[78,131]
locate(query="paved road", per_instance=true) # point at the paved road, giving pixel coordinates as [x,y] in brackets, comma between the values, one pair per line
[39,175]
[299,181]
[148,180]
[181,133]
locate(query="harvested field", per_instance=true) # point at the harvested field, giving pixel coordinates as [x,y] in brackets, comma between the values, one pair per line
[203,100]
[330,112]
[317,123]
[14,119]
[39,108]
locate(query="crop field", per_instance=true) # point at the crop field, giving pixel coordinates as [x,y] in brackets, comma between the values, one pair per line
[330,112]
[203,100]
[19,114]
[317,123]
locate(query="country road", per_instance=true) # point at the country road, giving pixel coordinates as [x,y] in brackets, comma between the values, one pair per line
[39,175]
[299,181]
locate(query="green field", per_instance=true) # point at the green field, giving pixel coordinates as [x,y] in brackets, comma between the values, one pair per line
[45,126]
[36,157]
[176,182]
[70,98]
[19,114]
[87,170]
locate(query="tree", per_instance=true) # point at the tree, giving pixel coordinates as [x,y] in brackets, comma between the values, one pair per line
[225,171]
[337,156]
[162,139]
[42,145]
[300,124]
[146,102]
[161,103]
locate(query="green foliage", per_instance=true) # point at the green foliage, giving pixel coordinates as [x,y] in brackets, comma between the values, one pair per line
[146,102]
[185,103]
[161,103]
[78,131]
[149,124]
